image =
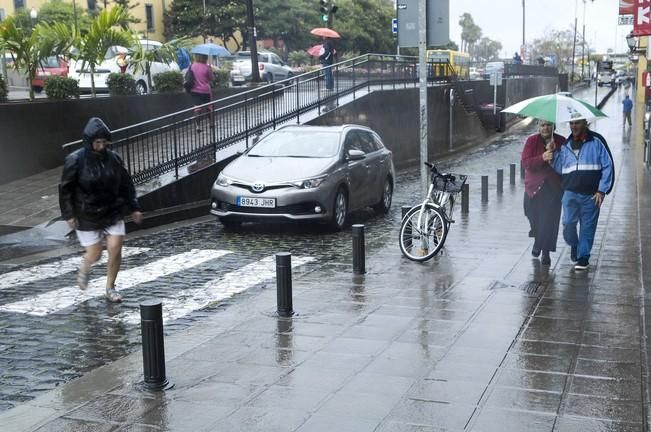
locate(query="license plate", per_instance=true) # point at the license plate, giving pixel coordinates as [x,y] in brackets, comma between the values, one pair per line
[238,78]
[256,202]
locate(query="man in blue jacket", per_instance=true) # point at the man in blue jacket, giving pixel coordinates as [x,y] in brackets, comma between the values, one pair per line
[587,175]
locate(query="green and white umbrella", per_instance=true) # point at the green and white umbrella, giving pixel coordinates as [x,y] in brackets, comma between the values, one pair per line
[555,108]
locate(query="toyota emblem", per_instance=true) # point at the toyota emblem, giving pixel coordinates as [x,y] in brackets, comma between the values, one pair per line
[257,187]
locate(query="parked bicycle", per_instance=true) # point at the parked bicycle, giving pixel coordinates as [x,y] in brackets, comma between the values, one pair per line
[425,227]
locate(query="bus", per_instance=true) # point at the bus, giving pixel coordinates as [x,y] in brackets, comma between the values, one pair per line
[444,63]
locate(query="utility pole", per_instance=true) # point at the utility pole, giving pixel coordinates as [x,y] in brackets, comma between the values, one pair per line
[583,45]
[422,68]
[573,46]
[255,72]
[523,50]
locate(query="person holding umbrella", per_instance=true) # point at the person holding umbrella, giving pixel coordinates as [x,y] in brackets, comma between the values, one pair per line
[327,57]
[201,91]
[587,176]
[542,197]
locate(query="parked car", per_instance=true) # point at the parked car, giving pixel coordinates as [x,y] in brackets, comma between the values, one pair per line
[306,173]
[272,68]
[606,77]
[110,65]
[52,66]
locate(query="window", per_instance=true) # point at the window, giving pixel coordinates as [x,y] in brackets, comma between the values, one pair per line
[149,13]
[2,14]
[92,4]
[367,142]
[19,4]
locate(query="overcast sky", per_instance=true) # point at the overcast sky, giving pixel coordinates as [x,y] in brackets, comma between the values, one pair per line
[501,20]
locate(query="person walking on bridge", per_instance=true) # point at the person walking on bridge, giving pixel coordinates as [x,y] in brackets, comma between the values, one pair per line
[95,194]
[542,197]
[587,174]
[327,58]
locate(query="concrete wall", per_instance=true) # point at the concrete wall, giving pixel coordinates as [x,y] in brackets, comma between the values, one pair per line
[33,132]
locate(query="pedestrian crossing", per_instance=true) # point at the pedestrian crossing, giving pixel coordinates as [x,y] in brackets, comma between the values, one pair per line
[36,273]
[175,305]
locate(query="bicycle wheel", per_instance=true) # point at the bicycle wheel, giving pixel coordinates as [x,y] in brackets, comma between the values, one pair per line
[422,234]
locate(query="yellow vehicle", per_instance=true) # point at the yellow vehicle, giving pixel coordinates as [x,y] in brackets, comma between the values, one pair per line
[444,63]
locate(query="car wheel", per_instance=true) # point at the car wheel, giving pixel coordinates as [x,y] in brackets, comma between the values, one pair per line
[270,78]
[230,224]
[289,76]
[387,195]
[141,88]
[339,210]
[37,89]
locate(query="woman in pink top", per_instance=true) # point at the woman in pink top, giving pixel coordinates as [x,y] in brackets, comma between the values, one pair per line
[203,77]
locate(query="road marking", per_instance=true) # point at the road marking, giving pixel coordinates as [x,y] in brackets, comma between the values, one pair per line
[53,269]
[189,300]
[53,301]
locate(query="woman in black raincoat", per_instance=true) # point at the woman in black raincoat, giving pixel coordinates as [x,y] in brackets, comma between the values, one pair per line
[95,194]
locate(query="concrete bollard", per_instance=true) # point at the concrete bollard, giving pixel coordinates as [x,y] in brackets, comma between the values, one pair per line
[153,349]
[512,174]
[405,209]
[284,284]
[484,188]
[465,196]
[521,170]
[359,250]
[500,181]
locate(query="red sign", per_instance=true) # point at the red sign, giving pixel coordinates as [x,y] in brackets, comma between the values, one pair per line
[642,18]
[626,7]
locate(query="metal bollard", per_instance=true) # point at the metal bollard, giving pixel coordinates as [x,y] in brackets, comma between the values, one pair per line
[284,284]
[405,209]
[359,250]
[484,188]
[153,349]
[500,181]
[465,194]
[521,170]
[512,174]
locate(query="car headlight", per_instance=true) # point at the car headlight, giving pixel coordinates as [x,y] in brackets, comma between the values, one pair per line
[223,180]
[310,183]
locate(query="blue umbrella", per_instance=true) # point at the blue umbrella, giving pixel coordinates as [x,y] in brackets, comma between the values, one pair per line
[210,49]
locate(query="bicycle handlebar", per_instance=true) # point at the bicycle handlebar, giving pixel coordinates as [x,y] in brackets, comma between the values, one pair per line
[434,170]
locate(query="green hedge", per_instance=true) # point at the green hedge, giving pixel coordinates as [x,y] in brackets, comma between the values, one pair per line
[121,84]
[58,87]
[3,89]
[168,82]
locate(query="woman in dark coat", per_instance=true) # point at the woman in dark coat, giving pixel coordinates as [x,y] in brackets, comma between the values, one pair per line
[542,197]
[95,194]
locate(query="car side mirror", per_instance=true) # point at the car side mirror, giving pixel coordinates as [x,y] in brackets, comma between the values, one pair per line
[354,155]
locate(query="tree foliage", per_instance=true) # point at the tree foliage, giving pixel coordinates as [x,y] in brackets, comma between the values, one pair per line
[558,44]
[365,26]
[289,20]
[59,11]
[223,19]
[486,49]
[470,32]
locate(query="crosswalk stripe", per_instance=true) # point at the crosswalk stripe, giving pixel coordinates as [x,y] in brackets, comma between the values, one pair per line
[189,300]
[44,271]
[53,301]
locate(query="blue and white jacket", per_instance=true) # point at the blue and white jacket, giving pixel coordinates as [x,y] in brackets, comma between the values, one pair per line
[591,171]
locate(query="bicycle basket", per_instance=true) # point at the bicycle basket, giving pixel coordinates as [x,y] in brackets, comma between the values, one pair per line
[444,185]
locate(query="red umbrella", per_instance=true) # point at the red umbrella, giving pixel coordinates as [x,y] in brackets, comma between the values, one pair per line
[315,51]
[325,32]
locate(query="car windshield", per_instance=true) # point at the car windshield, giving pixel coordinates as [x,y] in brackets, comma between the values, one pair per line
[300,144]
[51,62]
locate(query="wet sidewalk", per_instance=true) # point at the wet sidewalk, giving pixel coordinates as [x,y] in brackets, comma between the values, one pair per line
[481,338]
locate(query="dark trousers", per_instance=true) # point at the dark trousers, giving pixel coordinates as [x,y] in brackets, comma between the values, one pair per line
[544,212]
[327,72]
[627,118]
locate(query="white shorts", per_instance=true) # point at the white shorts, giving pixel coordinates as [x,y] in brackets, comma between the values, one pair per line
[89,238]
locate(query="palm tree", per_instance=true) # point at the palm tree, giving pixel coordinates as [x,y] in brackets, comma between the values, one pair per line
[30,49]
[143,56]
[103,33]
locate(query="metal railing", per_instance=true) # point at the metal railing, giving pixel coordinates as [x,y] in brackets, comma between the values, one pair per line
[171,142]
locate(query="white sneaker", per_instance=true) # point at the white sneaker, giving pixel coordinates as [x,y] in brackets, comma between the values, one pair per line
[113,296]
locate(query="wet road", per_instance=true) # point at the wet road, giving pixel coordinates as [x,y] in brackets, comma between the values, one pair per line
[51,333]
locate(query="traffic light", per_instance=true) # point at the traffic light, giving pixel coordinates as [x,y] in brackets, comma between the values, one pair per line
[324,7]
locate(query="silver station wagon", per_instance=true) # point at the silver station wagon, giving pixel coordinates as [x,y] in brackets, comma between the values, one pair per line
[306,173]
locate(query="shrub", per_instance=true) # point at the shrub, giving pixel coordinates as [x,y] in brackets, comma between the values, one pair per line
[298,58]
[168,82]
[120,84]
[3,89]
[222,75]
[59,87]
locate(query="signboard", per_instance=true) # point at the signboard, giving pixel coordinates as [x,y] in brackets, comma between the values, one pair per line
[438,22]
[626,7]
[495,78]
[394,26]
[642,18]
[625,20]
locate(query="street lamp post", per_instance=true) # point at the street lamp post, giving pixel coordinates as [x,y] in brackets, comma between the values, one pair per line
[33,14]
[523,50]
[255,72]
[573,45]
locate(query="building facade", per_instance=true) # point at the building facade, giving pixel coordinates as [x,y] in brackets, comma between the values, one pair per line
[149,12]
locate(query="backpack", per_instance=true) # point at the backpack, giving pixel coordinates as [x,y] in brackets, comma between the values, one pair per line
[188,80]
